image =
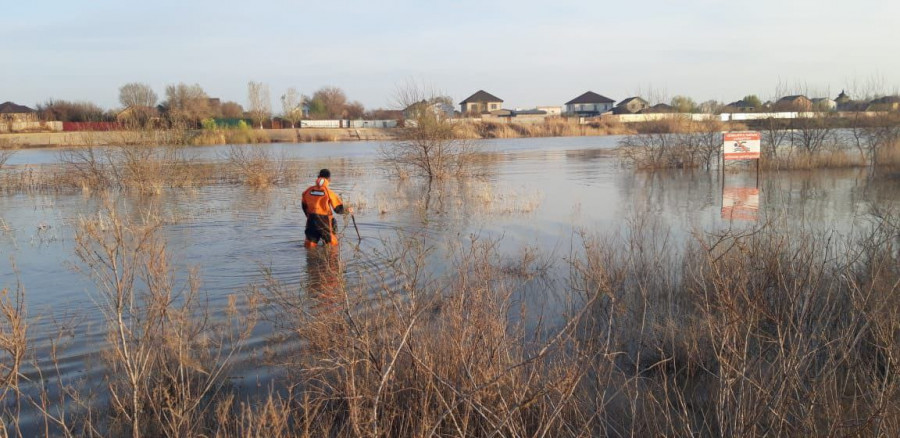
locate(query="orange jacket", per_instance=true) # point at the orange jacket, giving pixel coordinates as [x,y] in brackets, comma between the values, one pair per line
[320,200]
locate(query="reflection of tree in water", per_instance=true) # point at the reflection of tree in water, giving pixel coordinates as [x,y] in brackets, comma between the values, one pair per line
[674,192]
[448,204]
[826,197]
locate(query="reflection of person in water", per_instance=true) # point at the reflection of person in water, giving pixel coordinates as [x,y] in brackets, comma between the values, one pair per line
[324,279]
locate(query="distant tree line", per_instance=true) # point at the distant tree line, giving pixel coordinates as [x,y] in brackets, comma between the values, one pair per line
[189,105]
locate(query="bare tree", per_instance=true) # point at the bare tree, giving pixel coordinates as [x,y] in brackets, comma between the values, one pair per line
[328,102]
[354,110]
[232,110]
[67,111]
[774,133]
[872,134]
[708,140]
[292,106]
[428,146]
[187,103]
[136,94]
[260,102]
[812,131]
[683,104]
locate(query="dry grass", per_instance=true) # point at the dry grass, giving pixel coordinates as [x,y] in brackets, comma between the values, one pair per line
[550,127]
[167,360]
[258,167]
[760,332]
[754,332]
[316,136]
[13,349]
[148,170]
[430,357]
[834,157]
[7,150]
[233,136]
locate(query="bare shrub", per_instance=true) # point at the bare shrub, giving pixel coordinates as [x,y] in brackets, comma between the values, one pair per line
[150,169]
[756,332]
[13,348]
[774,134]
[7,150]
[707,138]
[256,167]
[89,167]
[812,131]
[659,151]
[428,146]
[872,135]
[423,356]
[167,360]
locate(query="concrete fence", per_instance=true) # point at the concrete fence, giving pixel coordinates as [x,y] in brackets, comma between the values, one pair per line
[636,118]
[348,123]
[31,126]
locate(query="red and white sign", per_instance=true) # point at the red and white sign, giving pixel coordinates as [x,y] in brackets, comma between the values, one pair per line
[742,145]
[740,203]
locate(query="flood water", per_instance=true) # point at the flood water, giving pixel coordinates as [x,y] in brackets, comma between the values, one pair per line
[537,193]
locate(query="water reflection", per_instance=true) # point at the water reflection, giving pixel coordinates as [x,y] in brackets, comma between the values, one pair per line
[324,279]
[740,203]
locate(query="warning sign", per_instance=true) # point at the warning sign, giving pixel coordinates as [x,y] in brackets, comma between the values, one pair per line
[742,145]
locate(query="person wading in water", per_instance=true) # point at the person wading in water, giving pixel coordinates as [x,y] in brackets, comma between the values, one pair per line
[318,202]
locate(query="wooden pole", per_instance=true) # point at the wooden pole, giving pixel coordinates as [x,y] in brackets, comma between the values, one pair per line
[353,218]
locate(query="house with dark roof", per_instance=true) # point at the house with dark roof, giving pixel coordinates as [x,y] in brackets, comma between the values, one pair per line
[631,105]
[480,102]
[660,108]
[823,104]
[842,99]
[589,104]
[13,113]
[796,102]
[740,106]
[886,103]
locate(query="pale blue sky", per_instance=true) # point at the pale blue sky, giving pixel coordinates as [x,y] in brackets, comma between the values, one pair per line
[528,53]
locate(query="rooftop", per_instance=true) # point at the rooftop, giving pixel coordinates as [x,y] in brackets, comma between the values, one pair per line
[590,97]
[481,96]
[11,108]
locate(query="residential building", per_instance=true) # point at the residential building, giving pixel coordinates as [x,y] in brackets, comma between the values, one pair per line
[631,105]
[589,104]
[886,103]
[439,107]
[660,108]
[740,106]
[550,110]
[842,99]
[793,103]
[481,102]
[823,104]
[13,113]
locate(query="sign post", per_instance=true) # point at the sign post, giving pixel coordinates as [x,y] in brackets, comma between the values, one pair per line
[741,145]
[740,202]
